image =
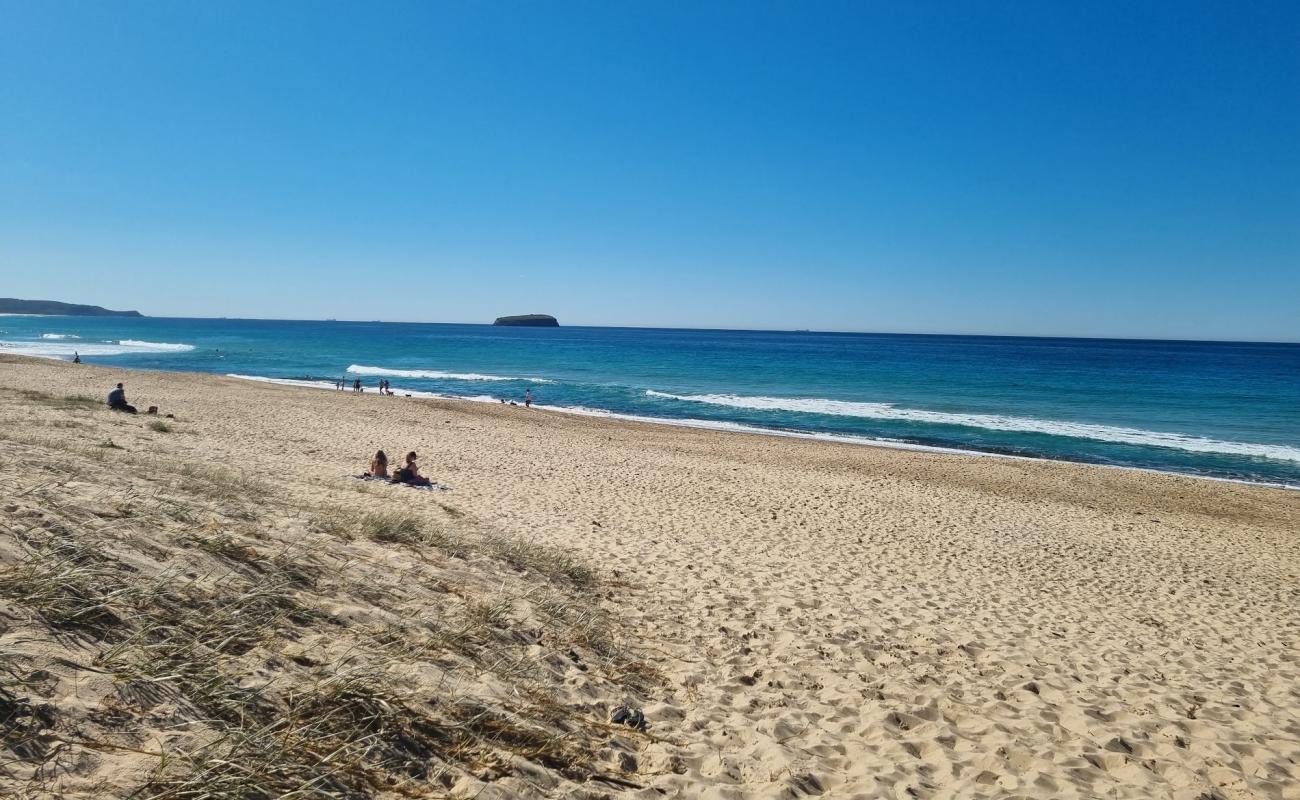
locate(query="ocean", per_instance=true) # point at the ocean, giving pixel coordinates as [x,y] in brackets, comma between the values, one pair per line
[1213,409]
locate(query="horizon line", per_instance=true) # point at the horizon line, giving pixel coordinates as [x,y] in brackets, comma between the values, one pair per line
[721,329]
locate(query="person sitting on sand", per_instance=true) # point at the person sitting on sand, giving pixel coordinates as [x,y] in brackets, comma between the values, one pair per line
[379,465]
[76,357]
[410,473]
[117,400]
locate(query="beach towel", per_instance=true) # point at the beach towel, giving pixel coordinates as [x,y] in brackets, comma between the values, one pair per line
[436,487]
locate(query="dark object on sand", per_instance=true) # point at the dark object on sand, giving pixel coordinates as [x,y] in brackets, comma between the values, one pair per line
[529,321]
[117,400]
[436,487]
[10,305]
[152,410]
[631,717]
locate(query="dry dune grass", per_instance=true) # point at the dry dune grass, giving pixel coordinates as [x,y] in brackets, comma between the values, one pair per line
[177,630]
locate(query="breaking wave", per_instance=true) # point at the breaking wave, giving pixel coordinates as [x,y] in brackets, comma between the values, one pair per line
[996,422]
[360,369]
[156,347]
[59,348]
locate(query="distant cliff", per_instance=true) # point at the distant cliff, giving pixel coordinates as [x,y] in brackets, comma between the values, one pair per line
[9,305]
[529,321]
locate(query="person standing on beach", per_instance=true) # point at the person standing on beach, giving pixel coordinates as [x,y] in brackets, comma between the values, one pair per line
[528,398]
[356,385]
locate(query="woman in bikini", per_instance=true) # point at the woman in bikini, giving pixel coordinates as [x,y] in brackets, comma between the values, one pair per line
[411,472]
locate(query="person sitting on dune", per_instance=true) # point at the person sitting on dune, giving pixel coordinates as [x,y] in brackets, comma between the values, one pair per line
[410,474]
[117,400]
[379,465]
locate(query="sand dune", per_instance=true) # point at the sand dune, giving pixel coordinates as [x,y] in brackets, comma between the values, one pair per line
[827,619]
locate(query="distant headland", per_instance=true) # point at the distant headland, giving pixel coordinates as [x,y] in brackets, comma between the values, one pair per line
[529,321]
[9,305]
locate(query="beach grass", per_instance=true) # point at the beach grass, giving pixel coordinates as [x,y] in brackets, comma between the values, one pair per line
[295,642]
[67,402]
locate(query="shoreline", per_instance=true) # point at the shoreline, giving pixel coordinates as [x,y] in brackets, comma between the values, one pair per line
[720,426]
[715,425]
[950,460]
[724,427]
[754,430]
[1116,444]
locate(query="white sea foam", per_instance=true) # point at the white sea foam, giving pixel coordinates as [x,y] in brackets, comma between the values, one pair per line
[737,427]
[285,381]
[60,348]
[156,347]
[997,422]
[360,369]
[59,336]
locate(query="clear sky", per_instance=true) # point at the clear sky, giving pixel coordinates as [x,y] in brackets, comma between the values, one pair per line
[1096,169]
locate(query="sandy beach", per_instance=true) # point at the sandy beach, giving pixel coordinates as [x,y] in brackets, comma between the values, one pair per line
[795,618]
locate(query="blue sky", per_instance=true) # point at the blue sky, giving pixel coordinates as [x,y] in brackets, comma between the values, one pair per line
[1007,168]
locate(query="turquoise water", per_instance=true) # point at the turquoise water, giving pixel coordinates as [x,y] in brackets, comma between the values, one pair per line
[1228,410]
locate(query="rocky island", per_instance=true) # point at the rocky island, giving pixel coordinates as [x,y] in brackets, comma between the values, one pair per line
[529,321]
[10,305]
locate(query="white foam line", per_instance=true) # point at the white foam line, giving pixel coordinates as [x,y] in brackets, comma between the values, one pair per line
[890,444]
[51,348]
[434,374]
[285,381]
[997,422]
[737,427]
[156,346]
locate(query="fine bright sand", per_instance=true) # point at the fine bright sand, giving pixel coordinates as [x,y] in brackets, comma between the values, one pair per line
[795,618]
